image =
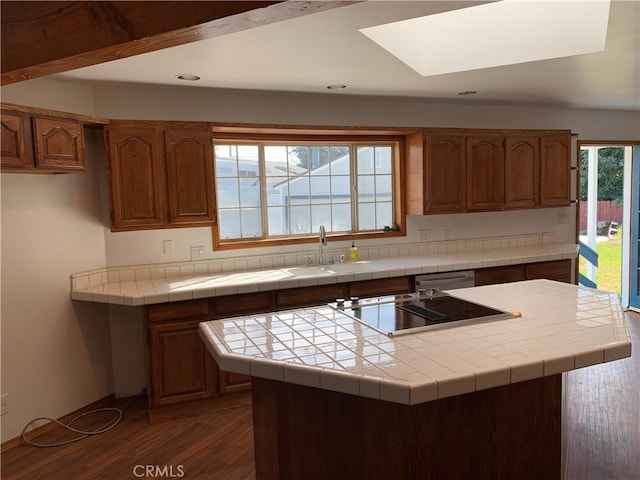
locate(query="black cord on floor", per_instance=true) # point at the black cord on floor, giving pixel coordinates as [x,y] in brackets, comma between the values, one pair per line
[82,433]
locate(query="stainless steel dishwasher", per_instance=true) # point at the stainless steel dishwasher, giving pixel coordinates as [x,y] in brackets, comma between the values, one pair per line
[445,281]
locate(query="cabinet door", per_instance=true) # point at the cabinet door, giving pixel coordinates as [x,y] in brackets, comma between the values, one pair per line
[59,144]
[136,176]
[16,143]
[521,172]
[555,170]
[444,174]
[189,177]
[416,177]
[485,172]
[181,368]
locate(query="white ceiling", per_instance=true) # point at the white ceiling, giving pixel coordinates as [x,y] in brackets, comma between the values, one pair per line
[309,53]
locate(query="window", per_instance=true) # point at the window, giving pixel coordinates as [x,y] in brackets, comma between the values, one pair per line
[284,189]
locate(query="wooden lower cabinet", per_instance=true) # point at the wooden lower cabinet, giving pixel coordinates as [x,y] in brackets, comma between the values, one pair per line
[559,270]
[184,379]
[246,303]
[384,286]
[181,368]
[307,296]
[229,382]
[505,274]
[182,376]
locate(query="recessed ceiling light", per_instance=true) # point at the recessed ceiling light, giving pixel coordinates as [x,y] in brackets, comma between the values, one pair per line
[468,92]
[188,77]
[336,87]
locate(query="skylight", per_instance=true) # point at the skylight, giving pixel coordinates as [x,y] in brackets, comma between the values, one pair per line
[495,34]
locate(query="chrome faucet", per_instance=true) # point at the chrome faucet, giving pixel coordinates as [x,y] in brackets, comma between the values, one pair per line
[322,243]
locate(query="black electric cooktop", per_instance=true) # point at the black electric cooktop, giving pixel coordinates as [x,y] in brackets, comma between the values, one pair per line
[395,315]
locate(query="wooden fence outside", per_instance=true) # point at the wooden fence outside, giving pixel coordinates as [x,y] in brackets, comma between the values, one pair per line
[607,212]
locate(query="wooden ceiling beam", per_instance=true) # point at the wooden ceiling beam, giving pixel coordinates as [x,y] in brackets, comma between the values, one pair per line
[40,38]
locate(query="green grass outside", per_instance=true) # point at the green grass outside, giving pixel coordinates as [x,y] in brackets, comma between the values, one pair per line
[609,272]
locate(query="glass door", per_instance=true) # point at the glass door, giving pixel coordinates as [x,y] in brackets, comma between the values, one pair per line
[634,264]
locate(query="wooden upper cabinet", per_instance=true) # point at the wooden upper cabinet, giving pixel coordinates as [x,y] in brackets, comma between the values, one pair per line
[59,144]
[435,173]
[16,140]
[555,170]
[521,172]
[161,174]
[415,173]
[485,172]
[444,174]
[40,144]
[136,177]
[189,157]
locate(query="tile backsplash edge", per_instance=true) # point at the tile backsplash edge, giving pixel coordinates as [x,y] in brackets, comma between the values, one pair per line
[129,273]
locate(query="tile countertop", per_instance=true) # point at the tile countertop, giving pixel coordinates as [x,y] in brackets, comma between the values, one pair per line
[140,287]
[563,327]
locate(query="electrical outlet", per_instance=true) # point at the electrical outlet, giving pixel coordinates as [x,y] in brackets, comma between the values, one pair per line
[167,247]
[563,218]
[424,235]
[197,253]
[4,401]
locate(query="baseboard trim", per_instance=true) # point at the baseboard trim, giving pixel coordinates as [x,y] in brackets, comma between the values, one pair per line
[107,401]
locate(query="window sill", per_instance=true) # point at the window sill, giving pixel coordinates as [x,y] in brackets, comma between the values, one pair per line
[273,242]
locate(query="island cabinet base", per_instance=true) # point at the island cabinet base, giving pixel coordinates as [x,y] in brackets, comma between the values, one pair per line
[506,432]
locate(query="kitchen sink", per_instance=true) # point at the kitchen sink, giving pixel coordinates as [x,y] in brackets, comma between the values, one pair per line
[351,267]
[330,269]
[310,270]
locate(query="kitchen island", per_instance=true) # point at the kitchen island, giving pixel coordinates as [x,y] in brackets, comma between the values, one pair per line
[334,398]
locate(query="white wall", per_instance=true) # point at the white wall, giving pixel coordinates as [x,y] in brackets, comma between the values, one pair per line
[170,103]
[55,353]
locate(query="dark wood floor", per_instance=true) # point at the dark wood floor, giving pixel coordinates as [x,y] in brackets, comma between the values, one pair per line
[603,417]
[602,437]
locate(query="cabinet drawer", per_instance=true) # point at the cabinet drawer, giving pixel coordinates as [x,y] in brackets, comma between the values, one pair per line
[506,274]
[299,297]
[244,303]
[559,270]
[178,310]
[383,286]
